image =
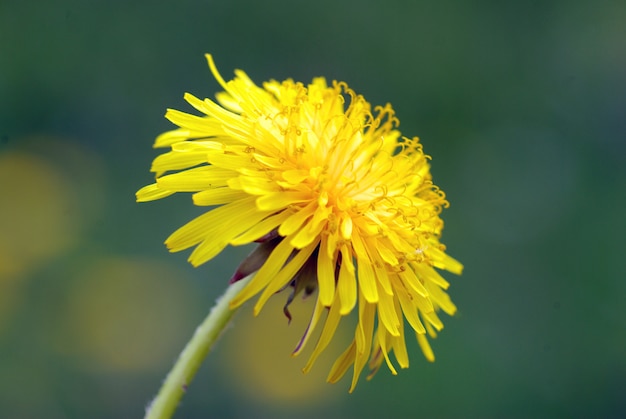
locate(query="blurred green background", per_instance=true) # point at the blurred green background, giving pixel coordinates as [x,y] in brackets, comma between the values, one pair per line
[521,104]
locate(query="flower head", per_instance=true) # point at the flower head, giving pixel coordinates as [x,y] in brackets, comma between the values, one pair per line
[337,199]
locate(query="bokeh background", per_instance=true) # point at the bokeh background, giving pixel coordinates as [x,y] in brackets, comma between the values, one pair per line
[521,104]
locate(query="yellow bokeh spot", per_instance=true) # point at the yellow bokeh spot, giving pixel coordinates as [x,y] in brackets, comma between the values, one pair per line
[36,218]
[50,189]
[258,351]
[126,314]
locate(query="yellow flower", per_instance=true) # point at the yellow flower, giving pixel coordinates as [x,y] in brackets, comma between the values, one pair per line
[339,201]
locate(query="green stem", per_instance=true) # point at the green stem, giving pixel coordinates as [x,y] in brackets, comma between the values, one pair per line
[191,357]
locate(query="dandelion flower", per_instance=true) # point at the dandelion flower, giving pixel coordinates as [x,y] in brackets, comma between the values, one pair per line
[337,199]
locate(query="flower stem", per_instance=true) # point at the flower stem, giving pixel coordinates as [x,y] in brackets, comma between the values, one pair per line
[191,357]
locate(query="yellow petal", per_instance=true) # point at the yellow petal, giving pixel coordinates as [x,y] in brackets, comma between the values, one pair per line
[217,196]
[346,227]
[325,275]
[332,321]
[177,160]
[409,308]
[151,193]
[383,339]
[364,333]
[399,344]
[254,185]
[260,229]
[268,271]
[230,218]
[410,279]
[170,137]
[279,200]
[341,365]
[367,278]
[346,284]
[387,313]
[284,276]
[426,349]
[194,180]
[297,218]
[317,312]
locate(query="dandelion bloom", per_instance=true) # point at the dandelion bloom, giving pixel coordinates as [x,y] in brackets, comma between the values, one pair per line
[337,200]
